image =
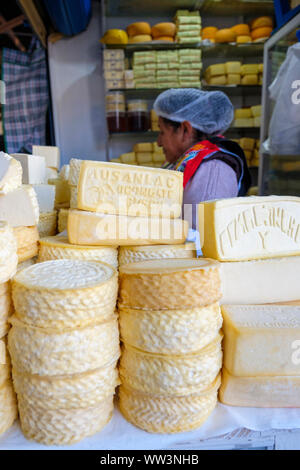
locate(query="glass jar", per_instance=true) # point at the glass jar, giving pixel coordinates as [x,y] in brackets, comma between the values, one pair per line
[116,112]
[138,116]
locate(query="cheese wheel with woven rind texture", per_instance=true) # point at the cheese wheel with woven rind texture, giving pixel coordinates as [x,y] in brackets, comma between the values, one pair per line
[63,426]
[8,406]
[158,414]
[169,284]
[169,374]
[47,224]
[60,352]
[170,331]
[134,254]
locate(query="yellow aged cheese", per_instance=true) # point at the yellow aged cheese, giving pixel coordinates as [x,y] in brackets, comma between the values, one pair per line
[243,122]
[62,192]
[8,407]
[177,283]
[127,157]
[250,79]
[59,248]
[243,113]
[253,332]
[170,331]
[171,375]
[79,292]
[260,392]
[10,173]
[89,228]
[143,147]
[256,110]
[67,391]
[219,80]
[257,121]
[248,69]
[63,426]
[53,352]
[144,157]
[250,228]
[233,67]
[158,157]
[47,224]
[113,188]
[158,414]
[247,143]
[132,254]
[214,70]
[233,79]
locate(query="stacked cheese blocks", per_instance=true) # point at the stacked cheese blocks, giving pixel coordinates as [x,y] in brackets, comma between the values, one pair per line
[139,32]
[248,117]
[257,240]
[234,73]
[114,67]
[144,69]
[163,32]
[18,203]
[123,204]
[8,266]
[154,122]
[171,355]
[251,150]
[188,26]
[167,69]
[58,247]
[144,154]
[134,254]
[64,346]
[258,31]
[190,66]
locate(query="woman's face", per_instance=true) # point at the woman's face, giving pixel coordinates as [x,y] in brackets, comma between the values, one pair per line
[173,141]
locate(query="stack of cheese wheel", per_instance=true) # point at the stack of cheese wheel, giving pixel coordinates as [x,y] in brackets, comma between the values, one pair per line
[134,254]
[59,248]
[163,32]
[27,240]
[64,346]
[8,266]
[139,32]
[171,357]
[261,28]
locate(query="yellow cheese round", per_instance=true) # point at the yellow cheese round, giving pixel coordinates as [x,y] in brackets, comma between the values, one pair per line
[60,352]
[172,375]
[158,414]
[140,38]
[225,35]
[133,254]
[76,391]
[163,29]
[262,22]
[65,293]
[169,284]
[59,248]
[243,39]
[115,36]
[139,28]
[63,426]
[165,38]
[259,33]
[241,29]
[8,406]
[170,331]
[4,373]
[209,32]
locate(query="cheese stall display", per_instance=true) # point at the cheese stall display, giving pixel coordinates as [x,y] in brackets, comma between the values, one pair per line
[169,368]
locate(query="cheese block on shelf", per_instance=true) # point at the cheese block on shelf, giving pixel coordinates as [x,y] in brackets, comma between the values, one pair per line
[27,242]
[260,392]
[10,173]
[46,196]
[233,67]
[62,352]
[157,414]
[63,426]
[177,283]
[253,332]
[248,228]
[79,292]
[20,207]
[171,375]
[90,228]
[128,157]
[33,168]
[47,224]
[260,281]
[170,331]
[59,248]
[132,254]
[113,188]
[50,153]
[215,70]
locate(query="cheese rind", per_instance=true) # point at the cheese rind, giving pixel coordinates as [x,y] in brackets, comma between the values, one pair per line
[113,188]
[47,224]
[178,283]
[8,406]
[260,392]
[89,228]
[253,332]
[20,207]
[250,228]
[27,242]
[10,173]
[62,222]
[133,254]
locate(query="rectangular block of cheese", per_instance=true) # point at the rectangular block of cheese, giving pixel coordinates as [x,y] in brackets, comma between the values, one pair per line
[114,65]
[46,196]
[127,157]
[261,340]
[87,228]
[243,113]
[256,110]
[247,143]
[114,75]
[219,80]
[10,173]
[113,54]
[248,228]
[261,392]
[233,67]
[51,154]
[33,168]
[144,157]
[257,121]
[158,157]
[260,281]
[114,188]
[215,70]
[233,79]
[248,69]
[143,147]
[250,79]
[20,207]
[243,122]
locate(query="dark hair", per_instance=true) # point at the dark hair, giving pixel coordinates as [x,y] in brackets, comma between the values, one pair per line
[199,135]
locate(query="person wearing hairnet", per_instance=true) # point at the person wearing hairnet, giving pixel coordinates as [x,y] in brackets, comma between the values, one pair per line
[191,125]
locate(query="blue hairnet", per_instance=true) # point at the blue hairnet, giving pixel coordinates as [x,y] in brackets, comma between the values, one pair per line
[209,111]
